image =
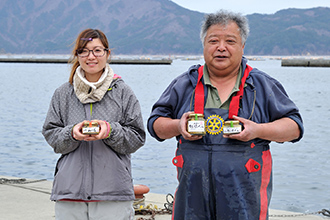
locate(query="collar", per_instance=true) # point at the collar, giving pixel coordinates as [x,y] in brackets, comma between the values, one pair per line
[88,92]
[207,80]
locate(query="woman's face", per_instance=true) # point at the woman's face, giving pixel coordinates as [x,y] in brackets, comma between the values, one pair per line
[93,66]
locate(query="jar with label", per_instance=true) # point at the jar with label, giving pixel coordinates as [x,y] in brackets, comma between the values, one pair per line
[91,128]
[196,124]
[232,127]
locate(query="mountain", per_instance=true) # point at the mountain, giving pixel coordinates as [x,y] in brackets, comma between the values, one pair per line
[132,26]
[290,32]
[150,27]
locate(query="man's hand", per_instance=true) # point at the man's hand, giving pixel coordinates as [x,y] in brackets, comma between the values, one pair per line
[183,128]
[249,132]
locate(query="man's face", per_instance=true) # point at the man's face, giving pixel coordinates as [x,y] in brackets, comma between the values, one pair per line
[223,49]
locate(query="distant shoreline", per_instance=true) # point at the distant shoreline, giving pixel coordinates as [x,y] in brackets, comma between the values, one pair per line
[64,59]
[303,61]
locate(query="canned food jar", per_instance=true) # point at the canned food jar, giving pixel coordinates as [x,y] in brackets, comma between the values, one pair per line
[196,124]
[91,128]
[232,127]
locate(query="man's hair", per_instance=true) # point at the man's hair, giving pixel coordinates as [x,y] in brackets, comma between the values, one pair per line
[223,17]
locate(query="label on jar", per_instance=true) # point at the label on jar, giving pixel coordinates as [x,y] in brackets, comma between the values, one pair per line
[232,127]
[232,130]
[90,130]
[195,127]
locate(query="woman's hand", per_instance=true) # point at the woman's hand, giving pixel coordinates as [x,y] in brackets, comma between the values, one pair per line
[104,131]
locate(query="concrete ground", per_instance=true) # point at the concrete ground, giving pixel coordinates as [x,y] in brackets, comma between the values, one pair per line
[31,202]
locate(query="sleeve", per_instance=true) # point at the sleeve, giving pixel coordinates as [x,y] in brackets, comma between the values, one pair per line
[128,134]
[280,106]
[55,132]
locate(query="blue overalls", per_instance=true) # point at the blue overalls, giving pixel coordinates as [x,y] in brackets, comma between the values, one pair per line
[221,178]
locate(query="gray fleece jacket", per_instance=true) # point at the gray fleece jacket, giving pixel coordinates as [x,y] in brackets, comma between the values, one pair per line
[95,170]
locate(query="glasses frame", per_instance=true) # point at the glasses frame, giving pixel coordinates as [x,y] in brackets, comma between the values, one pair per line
[89,52]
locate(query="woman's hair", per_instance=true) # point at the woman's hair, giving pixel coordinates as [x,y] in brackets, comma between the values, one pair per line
[223,17]
[83,38]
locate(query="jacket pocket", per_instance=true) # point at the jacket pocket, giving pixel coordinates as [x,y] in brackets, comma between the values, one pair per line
[178,161]
[252,166]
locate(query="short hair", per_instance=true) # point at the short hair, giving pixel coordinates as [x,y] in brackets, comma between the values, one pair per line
[223,17]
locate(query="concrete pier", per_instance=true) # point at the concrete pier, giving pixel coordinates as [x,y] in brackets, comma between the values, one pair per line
[305,62]
[64,59]
[30,201]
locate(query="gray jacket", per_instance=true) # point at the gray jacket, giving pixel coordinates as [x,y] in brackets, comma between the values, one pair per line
[95,170]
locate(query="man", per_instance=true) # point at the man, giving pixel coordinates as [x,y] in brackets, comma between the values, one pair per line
[224,176]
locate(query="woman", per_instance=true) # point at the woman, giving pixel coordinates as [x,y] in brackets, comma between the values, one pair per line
[93,175]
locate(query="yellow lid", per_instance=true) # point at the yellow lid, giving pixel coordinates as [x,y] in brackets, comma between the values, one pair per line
[194,114]
[235,122]
[91,124]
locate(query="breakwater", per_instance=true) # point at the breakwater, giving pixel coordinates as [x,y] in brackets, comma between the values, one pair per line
[44,59]
[305,62]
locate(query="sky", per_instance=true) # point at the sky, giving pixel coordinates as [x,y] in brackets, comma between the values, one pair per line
[247,7]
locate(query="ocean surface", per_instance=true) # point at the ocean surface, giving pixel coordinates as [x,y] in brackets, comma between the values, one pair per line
[301,171]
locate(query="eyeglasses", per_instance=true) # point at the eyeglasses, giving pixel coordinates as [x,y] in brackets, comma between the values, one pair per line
[97,52]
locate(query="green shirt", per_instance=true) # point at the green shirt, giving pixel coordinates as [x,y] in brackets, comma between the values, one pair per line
[213,99]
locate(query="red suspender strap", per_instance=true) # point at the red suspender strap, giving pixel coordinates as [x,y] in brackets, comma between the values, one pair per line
[234,104]
[266,173]
[199,93]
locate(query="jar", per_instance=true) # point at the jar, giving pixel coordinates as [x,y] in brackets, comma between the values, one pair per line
[232,127]
[91,127]
[196,124]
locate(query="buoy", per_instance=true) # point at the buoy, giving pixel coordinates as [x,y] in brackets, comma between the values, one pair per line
[140,190]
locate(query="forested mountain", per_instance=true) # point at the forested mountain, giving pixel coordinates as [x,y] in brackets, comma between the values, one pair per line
[150,27]
[290,32]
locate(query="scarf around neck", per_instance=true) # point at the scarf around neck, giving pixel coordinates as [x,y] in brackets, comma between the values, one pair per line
[90,92]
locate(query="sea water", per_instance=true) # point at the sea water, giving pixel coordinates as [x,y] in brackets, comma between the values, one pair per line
[300,171]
